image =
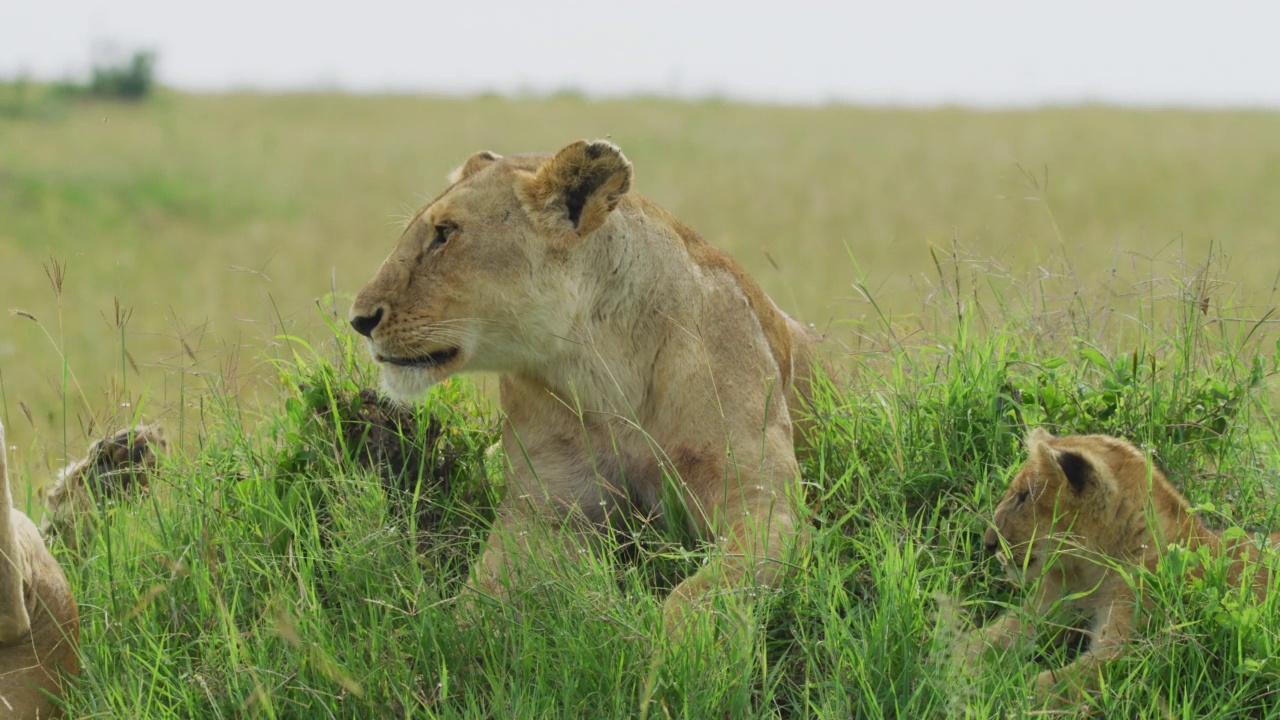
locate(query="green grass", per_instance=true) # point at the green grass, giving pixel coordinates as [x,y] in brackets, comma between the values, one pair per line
[271,575]
[268,578]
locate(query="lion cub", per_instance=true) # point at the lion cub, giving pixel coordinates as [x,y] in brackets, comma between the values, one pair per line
[39,622]
[117,467]
[1082,505]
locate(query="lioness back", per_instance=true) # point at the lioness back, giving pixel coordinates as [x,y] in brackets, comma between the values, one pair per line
[787,338]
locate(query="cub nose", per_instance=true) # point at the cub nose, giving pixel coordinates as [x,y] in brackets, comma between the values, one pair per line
[991,540]
[364,324]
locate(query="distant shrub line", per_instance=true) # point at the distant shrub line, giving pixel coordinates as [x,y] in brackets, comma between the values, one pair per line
[130,80]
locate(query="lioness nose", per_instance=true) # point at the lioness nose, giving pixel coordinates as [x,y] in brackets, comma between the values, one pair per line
[364,324]
[991,540]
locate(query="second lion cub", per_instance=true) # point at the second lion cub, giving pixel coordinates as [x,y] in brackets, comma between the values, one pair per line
[1080,507]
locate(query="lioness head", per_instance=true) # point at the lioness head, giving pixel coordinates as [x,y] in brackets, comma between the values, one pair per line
[1061,504]
[478,279]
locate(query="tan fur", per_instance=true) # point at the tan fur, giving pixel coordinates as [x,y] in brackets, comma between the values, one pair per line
[116,466]
[39,622]
[1063,538]
[628,347]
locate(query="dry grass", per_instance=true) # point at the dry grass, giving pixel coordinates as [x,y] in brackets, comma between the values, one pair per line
[218,222]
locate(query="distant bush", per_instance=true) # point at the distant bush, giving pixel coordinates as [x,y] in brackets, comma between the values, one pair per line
[15,97]
[131,80]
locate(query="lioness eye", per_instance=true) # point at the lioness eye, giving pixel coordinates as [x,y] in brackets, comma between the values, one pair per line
[442,234]
[1022,496]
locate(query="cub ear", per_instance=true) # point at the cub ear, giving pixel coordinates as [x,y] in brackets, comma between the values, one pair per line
[473,165]
[579,187]
[1067,465]
[1038,436]
[1077,469]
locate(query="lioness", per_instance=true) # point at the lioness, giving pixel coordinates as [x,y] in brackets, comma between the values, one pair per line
[39,621]
[629,350]
[1080,507]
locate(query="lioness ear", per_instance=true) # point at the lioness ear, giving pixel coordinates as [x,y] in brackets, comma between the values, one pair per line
[473,165]
[579,187]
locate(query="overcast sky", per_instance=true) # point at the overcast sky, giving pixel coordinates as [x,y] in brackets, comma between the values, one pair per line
[974,52]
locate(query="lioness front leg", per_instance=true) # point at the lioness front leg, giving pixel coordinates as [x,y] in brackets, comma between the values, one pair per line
[755,530]
[526,529]
[505,549]
[519,536]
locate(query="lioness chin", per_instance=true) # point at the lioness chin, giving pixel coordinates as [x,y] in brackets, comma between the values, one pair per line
[629,350]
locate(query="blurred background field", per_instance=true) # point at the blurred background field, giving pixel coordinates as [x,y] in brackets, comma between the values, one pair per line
[1003,216]
[193,231]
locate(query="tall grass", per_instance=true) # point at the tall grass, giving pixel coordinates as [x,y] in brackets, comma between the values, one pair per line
[276,573]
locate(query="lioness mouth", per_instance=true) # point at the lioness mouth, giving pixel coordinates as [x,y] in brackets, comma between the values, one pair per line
[435,359]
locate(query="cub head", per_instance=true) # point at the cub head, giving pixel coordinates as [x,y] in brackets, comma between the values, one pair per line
[481,277]
[1056,506]
[118,467]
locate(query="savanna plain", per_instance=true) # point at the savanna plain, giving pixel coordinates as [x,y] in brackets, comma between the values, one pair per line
[190,260]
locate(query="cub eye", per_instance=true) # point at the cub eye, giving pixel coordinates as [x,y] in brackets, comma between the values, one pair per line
[442,233]
[1022,496]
